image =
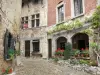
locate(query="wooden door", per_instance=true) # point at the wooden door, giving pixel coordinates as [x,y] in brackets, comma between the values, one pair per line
[27,48]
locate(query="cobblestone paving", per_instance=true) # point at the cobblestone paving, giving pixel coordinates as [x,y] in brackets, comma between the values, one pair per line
[39,66]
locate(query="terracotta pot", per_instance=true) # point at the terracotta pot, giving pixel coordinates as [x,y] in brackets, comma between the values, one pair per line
[82,55]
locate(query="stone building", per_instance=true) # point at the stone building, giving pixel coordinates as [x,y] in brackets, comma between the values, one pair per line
[10,11]
[69,13]
[33,35]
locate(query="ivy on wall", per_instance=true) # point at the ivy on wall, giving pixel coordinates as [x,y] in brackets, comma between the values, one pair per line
[88,31]
[69,26]
[94,20]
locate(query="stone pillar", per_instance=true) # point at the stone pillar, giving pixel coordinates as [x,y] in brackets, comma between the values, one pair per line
[31,47]
[91,52]
[69,39]
[22,47]
[54,46]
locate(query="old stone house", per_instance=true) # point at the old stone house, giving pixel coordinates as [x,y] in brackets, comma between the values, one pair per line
[69,13]
[40,19]
[10,11]
[33,35]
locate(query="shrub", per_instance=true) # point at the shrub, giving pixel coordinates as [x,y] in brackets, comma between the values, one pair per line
[67,51]
[83,61]
[93,63]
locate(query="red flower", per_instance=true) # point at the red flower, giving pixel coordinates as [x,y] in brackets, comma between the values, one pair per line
[62,50]
[58,49]
[82,49]
[10,70]
[3,70]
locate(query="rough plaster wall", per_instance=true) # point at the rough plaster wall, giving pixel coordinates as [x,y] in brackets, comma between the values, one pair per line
[11,9]
[31,9]
[33,34]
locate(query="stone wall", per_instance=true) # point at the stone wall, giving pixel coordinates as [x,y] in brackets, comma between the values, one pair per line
[34,34]
[31,9]
[10,13]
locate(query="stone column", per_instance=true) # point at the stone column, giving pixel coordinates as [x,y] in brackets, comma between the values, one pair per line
[53,46]
[69,39]
[22,47]
[91,52]
[31,48]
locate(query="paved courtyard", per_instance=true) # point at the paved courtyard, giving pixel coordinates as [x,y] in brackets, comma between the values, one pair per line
[39,66]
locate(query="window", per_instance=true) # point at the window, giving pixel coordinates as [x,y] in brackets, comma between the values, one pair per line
[35,22]
[60,13]
[78,7]
[24,21]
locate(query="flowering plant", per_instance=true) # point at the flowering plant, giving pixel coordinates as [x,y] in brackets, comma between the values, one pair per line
[59,52]
[7,71]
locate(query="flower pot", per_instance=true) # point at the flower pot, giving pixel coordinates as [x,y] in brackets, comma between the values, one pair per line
[13,73]
[82,55]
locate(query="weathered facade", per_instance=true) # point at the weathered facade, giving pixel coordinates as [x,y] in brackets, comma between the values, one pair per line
[41,16]
[33,35]
[10,11]
[65,12]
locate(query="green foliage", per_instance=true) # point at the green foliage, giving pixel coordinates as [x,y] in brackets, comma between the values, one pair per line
[56,59]
[11,53]
[67,51]
[72,25]
[96,18]
[93,63]
[17,52]
[74,52]
[93,45]
[88,31]
[81,61]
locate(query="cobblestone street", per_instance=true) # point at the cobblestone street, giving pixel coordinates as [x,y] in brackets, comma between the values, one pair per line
[38,66]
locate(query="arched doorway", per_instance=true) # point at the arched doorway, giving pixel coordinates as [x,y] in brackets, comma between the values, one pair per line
[80,41]
[61,42]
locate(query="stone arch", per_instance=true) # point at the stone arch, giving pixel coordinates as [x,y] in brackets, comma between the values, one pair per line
[80,40]
[60,42]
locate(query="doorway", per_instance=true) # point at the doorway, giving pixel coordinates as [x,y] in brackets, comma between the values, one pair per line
[61,42]
[81,44]
[49,48]
[27,48]
[36,46]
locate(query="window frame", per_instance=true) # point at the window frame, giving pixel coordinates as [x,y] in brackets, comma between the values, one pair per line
[72,9]
[35,18]
[59,5]
[24,20]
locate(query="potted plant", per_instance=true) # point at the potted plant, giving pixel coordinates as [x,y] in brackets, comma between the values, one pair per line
[8,71]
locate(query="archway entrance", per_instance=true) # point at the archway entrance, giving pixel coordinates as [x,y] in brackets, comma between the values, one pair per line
[61,42]
[80,41]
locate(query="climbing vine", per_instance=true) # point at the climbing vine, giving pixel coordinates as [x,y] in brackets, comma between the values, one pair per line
[69,26]
[94,20]
[88,31]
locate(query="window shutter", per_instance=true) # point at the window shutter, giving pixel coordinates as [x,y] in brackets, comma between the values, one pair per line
[6,45]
